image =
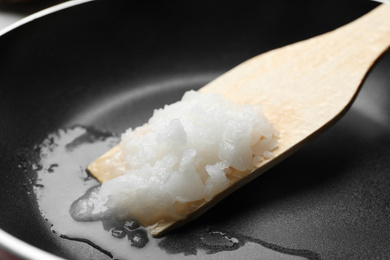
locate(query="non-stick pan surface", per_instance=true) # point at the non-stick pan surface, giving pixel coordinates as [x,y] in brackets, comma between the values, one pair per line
[107,64]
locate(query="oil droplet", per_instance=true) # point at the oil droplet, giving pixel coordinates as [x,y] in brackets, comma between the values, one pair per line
[65,195]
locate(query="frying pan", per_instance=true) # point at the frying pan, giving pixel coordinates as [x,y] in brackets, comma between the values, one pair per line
[107,64]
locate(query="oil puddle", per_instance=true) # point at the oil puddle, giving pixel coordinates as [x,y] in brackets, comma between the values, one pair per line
[62,188]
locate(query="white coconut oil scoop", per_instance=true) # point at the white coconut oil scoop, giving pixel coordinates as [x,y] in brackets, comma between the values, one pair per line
[304,88]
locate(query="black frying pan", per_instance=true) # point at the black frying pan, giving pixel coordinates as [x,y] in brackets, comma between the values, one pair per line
[330,200]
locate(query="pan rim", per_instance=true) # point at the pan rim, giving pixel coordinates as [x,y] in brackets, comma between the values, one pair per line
[44,12]
[19,248]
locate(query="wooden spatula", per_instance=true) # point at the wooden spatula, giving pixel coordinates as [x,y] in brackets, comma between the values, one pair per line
[304,88]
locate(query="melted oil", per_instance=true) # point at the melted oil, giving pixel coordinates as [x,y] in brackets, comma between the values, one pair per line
[64,191]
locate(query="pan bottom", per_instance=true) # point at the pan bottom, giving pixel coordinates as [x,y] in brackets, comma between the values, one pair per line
[61,179]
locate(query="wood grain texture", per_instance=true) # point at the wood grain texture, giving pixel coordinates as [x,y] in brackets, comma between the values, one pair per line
[304,88]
